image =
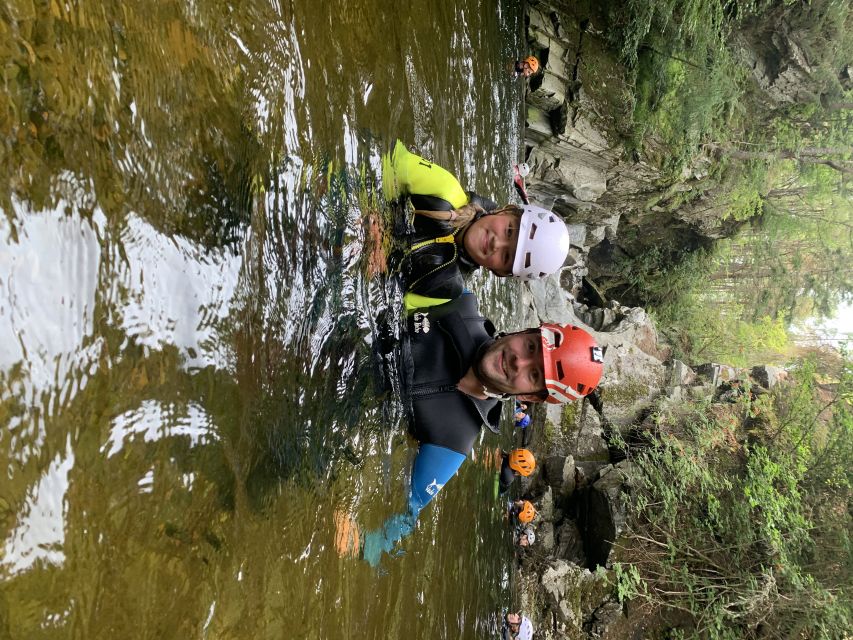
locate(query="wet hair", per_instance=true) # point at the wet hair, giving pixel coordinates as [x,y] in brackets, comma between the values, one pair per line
[466,215]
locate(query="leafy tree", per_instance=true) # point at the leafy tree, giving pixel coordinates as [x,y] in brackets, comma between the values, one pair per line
[741,515]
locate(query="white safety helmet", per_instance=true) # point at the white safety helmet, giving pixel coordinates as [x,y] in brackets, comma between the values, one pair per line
[531,535]
[525,631]
[543,244]
[523,169]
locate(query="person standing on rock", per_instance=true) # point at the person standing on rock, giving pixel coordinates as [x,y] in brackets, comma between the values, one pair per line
[458,370]
[527,67]
[526,537]
[518,462]
[521,418]
[522,510]
[455,232]
[516,627]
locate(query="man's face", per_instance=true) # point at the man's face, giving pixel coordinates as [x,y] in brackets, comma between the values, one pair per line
[513,364]
[513,620]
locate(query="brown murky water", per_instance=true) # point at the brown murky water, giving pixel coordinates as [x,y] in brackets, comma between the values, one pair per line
[187,390]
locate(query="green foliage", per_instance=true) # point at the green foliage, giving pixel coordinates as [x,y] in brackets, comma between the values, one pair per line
[741,518]
[782,165]
[794,261]
[746,198]
[688,84]
[662,273]
[699,332]
[628,581]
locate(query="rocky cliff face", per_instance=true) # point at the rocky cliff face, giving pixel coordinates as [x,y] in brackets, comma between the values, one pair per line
[582,487]
[577,114]
[617,204]
[578,118]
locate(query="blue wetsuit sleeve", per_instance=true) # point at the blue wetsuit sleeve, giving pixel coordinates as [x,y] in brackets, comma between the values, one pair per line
[434,466]
[383,539]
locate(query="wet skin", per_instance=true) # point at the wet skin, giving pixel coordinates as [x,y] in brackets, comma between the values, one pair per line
[513,364]
[491,242]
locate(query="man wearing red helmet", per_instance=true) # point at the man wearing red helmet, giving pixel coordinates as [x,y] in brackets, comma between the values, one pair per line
[457,370]
[556,363]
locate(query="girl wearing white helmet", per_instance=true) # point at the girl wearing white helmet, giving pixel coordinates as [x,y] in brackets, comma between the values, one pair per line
[455,232]
[526,537]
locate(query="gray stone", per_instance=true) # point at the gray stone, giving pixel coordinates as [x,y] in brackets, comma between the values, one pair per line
[674,394]
[716,373]
[545,506]
[605,616]
[768,376]
[559,581]
[681,374]
[549,95]
[551,302]
[545,537]
[538,124]
[570,543]
[559,473]
[577,234]
[590,443]
[597,233]
[573,596]
[628,470]
[586,471]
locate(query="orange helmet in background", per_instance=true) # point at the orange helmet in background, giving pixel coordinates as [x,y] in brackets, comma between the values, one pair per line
[522,461]
[527,512]
[573,362]
[533,63]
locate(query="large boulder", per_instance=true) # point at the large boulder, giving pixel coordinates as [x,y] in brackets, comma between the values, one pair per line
[559,473]
[589,441]
[572,596]
[545,538]
[569,543]
[768,376]
[545,506]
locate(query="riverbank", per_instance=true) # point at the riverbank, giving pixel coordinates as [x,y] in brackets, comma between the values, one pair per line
[649,524]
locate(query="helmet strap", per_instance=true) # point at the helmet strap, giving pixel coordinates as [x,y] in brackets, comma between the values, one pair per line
[503,397]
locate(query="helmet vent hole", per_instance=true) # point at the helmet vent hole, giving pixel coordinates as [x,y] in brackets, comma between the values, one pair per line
[560,374]
[551,219]
[527,260]
[532,231]
[558,339]
[542,274]
[581,387]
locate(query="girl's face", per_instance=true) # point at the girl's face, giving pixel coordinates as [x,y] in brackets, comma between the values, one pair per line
[491,242]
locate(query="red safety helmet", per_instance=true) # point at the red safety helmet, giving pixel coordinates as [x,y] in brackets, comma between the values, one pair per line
[573,362]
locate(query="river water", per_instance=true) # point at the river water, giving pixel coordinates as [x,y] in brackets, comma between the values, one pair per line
[187,386]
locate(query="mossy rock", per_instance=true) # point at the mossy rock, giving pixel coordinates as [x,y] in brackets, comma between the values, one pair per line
[624,395]
[569,419]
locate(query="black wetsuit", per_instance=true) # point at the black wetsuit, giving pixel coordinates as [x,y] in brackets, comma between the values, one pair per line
[507,475]
[442,343]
